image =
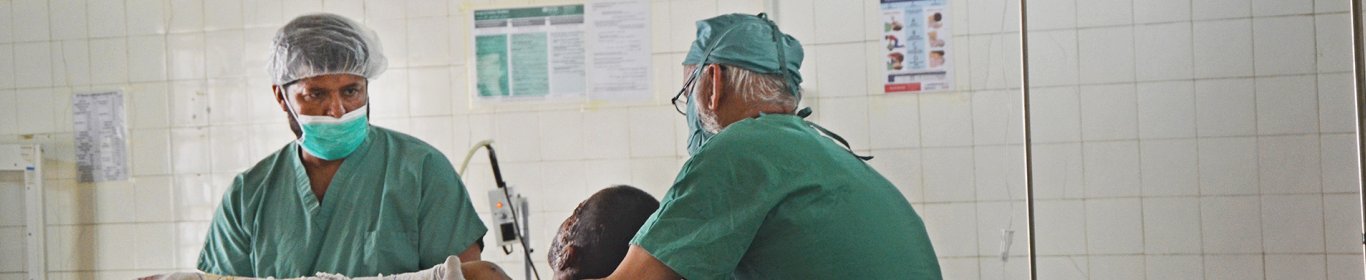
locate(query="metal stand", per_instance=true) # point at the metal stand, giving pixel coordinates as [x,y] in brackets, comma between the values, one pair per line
[29,159]
[526,230]
[1028,142]
[1357,81]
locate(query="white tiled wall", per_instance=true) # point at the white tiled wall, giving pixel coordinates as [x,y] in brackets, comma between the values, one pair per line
[199,112]
[1194,139]
[1174,139]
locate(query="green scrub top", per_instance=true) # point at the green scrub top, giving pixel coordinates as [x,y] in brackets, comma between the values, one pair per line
[771,198]
[395,205]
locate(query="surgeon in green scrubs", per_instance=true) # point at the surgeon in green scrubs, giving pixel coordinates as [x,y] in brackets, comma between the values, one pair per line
[346,197]
[766,194]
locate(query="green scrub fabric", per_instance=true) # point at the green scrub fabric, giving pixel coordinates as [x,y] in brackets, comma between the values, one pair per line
[771,198]
[395,205]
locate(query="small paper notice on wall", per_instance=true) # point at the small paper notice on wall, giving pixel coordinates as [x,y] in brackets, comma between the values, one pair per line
[101,136]
[917,39]
[619,44]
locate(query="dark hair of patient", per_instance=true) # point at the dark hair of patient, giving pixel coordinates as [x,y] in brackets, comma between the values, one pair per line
[594,239]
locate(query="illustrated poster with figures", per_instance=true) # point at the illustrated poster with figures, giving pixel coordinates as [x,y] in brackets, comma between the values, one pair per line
[917,39]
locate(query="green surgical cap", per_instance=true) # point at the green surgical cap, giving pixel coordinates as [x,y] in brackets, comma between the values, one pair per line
[752,42]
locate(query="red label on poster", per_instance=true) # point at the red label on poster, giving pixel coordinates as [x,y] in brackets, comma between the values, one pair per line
[901,87]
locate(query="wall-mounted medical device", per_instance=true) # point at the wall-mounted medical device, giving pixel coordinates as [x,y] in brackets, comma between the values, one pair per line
[507,209]
[505,227]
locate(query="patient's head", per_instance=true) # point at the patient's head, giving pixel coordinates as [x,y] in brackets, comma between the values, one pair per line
[594,239]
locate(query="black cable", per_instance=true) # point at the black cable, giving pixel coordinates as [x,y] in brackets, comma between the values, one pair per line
[516,230]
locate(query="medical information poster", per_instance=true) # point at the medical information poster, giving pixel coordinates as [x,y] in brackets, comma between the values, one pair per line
[564,52]
[916,38]
[101,137]
[619,50]
[534,52]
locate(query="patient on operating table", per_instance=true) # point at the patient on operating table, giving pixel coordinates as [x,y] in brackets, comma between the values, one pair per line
[594,239]
[452,269]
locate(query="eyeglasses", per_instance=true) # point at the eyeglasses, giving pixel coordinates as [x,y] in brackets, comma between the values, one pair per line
[680,100]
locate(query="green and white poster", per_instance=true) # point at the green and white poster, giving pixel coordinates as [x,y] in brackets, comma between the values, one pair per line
[599,50]
[530,53]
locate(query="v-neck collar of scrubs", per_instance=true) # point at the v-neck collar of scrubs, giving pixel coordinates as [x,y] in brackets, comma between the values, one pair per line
[321,212]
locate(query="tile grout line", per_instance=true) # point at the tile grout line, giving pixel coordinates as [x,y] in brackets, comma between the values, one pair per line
[1261,226]
[1323,212]
[1086,241]
[1199,184]
[1138,139]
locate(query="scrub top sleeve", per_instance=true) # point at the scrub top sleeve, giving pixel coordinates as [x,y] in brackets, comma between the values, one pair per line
[708,218]
[449,224]
[227,248]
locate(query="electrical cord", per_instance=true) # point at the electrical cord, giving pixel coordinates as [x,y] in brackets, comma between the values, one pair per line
[498,179]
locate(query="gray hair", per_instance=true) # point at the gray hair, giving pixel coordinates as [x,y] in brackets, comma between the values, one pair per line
[755,88]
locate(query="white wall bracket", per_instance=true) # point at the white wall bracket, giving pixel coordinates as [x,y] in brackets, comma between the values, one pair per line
[29,160]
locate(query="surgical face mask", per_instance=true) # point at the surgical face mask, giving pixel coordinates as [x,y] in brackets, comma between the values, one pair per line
[331,138]
[699,132]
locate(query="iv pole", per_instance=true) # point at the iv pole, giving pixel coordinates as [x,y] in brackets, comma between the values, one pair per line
[1028,142]
[1357,82]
